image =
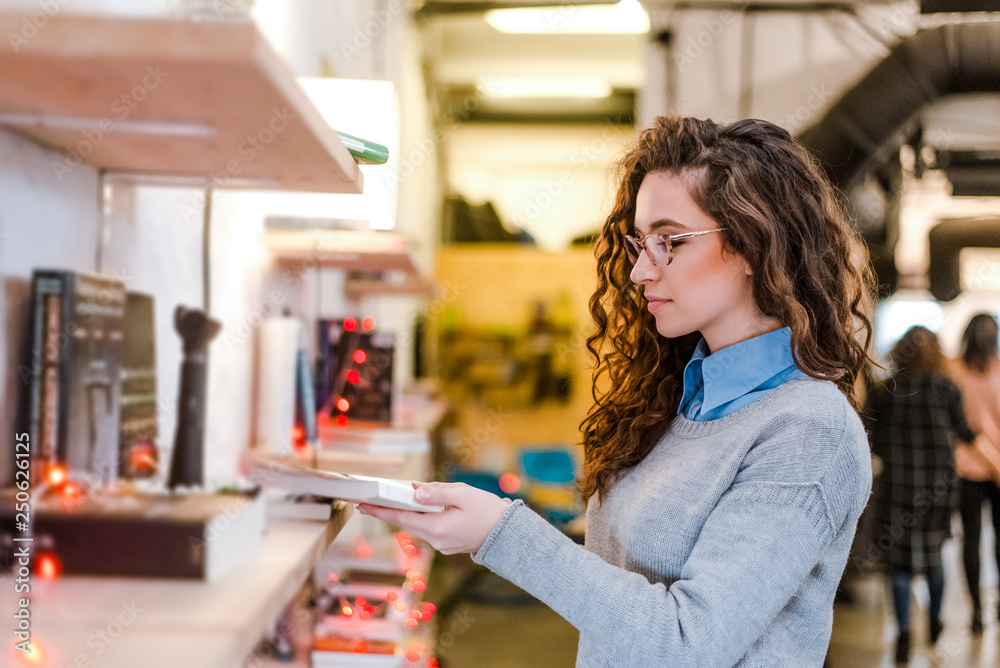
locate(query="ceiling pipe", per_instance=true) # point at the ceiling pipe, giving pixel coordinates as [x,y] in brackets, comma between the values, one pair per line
[869,123]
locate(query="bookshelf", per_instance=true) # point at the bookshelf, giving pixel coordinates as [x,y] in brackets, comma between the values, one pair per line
[162,623]
[342,249]
[175,102]
[205,102]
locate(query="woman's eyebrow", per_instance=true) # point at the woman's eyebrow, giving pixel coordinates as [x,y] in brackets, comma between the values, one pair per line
[665,223]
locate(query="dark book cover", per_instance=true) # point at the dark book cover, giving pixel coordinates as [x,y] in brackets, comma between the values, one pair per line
[194,536]
[356,368]
[75,384]
[138,426]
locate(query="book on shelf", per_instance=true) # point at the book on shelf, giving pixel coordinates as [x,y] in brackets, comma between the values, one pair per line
[374,438]
[197,536]
[354,372]
[139,424]
[74,375]
[348,487]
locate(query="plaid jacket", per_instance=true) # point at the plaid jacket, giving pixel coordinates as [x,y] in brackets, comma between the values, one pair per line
[914,421]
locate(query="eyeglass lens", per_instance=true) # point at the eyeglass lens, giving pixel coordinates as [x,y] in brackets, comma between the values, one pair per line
[658,249]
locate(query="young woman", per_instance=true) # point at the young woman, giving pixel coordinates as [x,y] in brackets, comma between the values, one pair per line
[916,419]
[978,464]
[724,466]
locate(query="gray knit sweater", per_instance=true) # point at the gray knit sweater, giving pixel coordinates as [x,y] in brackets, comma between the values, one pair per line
[723,547]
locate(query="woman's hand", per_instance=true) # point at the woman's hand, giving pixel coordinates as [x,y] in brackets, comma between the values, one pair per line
[462,526]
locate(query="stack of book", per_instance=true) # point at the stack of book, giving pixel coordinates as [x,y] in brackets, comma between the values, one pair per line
[370,609]
[372,438]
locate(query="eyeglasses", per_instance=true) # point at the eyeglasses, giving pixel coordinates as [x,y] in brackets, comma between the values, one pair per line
[659,247]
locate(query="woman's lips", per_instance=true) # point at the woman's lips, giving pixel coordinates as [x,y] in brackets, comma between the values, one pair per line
[656,303]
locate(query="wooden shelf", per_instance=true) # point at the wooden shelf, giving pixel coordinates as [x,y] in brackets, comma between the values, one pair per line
[163,623]
[199,102]
[344,249]
[411,285]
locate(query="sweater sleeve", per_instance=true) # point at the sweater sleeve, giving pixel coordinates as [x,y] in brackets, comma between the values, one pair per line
[757,547]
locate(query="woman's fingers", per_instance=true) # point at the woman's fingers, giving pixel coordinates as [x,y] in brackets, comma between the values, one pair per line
[410,520]
[451,494]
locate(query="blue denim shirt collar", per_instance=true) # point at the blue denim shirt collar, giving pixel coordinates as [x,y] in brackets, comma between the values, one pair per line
[728,374]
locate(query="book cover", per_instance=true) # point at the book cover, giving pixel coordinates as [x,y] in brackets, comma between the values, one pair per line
[349,487]
[138,428]
[75,384]
[355,372]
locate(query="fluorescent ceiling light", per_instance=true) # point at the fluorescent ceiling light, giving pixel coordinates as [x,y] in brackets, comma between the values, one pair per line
[497,86]
[626,17]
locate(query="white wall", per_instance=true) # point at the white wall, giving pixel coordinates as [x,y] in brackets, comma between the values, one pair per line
[44,223]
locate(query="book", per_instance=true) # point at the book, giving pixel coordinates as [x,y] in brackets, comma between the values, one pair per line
[191,536]
[366,437]
[138,428]
[349,487]
[354,372]
[305,397]
[74,375]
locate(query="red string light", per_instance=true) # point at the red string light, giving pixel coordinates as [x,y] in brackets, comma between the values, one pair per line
[350,324]
[360,357]
[368,322]
[353,376]
[343,405]
[48,566]
[57,475]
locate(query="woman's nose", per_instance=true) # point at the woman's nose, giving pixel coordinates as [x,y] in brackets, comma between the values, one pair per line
[643,270]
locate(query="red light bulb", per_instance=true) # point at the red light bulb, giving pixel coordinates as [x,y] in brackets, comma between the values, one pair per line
[360,357]
[57,474]
[368,322]
[343,405]
[353,376]
[350,324]
[341,420]
[48,566]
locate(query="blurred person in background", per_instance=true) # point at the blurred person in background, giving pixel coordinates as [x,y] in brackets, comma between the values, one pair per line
[977,373]
[914,421]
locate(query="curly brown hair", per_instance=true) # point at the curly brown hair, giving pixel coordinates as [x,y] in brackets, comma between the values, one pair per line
[783,217]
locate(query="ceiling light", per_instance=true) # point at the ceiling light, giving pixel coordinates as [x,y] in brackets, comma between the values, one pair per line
[547,87]
[626,17]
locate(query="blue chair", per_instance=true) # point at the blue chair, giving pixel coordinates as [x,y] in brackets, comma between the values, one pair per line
[548,483]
